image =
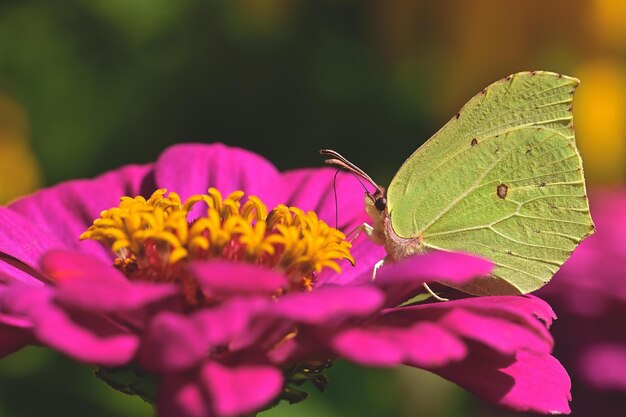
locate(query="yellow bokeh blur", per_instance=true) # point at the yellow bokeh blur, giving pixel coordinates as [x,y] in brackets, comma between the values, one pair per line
[609,18]
[599,113]
[19,169]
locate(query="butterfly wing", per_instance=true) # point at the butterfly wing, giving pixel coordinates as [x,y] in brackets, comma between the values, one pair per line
[503,179]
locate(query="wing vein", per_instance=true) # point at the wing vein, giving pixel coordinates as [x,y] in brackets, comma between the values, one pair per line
[523,243]
[539,176]
[529,104]
[468,191]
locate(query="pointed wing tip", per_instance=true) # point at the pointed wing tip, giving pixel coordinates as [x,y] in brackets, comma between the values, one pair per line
[573,81]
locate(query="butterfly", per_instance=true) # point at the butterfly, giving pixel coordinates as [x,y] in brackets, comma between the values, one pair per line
[503,179]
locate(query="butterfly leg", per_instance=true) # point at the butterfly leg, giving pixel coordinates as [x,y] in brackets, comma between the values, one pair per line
[369,231]
[377,266]
[354,233]
[431,292]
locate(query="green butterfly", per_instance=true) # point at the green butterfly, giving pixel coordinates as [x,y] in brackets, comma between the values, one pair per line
[502,179]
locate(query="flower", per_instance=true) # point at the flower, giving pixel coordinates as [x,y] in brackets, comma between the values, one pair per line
[230,306]
[590,293]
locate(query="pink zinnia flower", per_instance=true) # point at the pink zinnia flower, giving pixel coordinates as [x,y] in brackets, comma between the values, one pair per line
[590,293]
[231,306]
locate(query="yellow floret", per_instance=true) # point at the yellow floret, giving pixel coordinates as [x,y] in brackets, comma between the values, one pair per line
[286,237]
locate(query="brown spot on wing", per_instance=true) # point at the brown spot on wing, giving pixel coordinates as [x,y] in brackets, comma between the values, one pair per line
[502,191]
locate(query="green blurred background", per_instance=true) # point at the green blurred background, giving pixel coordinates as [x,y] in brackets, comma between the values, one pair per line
[87,86]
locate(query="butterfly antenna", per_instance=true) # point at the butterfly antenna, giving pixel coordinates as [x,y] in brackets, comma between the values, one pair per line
[338,160]
[336,199]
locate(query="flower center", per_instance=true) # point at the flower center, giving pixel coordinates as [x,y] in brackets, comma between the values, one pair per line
[154,239]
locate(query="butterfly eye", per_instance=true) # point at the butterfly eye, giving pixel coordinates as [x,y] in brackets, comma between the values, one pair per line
[380,203]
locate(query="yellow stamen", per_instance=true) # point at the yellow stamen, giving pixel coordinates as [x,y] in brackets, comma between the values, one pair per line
[296,242]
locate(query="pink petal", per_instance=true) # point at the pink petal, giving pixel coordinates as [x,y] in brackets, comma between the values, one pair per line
[328,304]
[528,305]
[505,323]
[192,168]
[314,189]
[85,337]
[369,347]
[14,271]
[424,345]
[180,396]
[530,382]
[224,278]
[604,366]
[436,346]
[527,310]
[498,333]
[264,332]
[174,342]
[403,279]
[243,389]
[101,296]
[95,342]
[16,321]
[61,213]
[452,267]
[218,391]
[22,243]
[66,265]
[87,283]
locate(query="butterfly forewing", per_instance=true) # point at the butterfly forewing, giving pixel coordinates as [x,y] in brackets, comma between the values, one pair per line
[504,180]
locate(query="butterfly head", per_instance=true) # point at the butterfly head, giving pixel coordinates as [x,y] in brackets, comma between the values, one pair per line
[379,199]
